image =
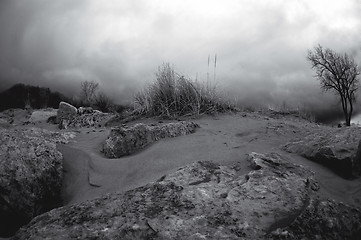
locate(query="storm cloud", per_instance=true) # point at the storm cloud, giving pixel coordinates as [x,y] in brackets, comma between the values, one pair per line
[261,46]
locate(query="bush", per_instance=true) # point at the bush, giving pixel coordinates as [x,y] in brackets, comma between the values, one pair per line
[102,103]
[173,95]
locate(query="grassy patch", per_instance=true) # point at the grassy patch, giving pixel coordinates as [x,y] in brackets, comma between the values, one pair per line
[172,95]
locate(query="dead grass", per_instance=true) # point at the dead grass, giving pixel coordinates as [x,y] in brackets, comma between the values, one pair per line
[172,95]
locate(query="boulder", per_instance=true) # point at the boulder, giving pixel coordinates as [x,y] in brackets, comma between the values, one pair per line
[336,148]
[42,115]
[30,175]
[71,117]
[123,141]
[65,114]
[202,200]
[325,219]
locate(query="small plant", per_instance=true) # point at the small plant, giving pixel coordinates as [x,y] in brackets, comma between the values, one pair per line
[174,95]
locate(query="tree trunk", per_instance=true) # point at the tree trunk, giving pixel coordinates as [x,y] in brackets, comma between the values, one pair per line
[350,112]
[348,121]
[345,110]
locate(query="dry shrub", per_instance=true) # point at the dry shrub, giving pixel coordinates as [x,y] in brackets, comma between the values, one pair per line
[172,95]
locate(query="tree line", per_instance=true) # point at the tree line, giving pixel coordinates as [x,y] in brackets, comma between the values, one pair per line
[27,96]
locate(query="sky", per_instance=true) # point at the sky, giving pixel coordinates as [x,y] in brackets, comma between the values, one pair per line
[261,46]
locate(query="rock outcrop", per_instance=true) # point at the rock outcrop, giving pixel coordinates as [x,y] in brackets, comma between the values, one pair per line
[30,175]
[71,117]
[65,114]
[123,141]
[335,148]
[93,119]
[42,115]
[325,219]
[202,201]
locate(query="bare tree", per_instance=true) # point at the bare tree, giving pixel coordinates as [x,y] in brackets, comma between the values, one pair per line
[88,91]
[102,102]
[337,72]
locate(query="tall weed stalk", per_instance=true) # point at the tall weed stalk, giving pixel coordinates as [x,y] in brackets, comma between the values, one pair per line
[173,95]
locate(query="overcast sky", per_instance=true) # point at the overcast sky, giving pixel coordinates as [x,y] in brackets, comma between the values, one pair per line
[261,46]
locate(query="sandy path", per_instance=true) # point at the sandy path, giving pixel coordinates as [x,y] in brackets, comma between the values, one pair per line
[226,140]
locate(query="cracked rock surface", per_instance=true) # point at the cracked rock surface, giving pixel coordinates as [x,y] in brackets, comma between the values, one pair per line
[30,175]
[124,141]
[204,200]
[338,149]
[325,219]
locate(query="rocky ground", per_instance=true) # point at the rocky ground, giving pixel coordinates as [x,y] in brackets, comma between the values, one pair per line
[337,148]
[326,219]
[205,200]
[210,184]
[31,175]
[69,116]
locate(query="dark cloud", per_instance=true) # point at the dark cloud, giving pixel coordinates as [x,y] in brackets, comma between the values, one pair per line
[261,46]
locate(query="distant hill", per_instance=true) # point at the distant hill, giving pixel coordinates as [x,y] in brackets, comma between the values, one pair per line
[21,96]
